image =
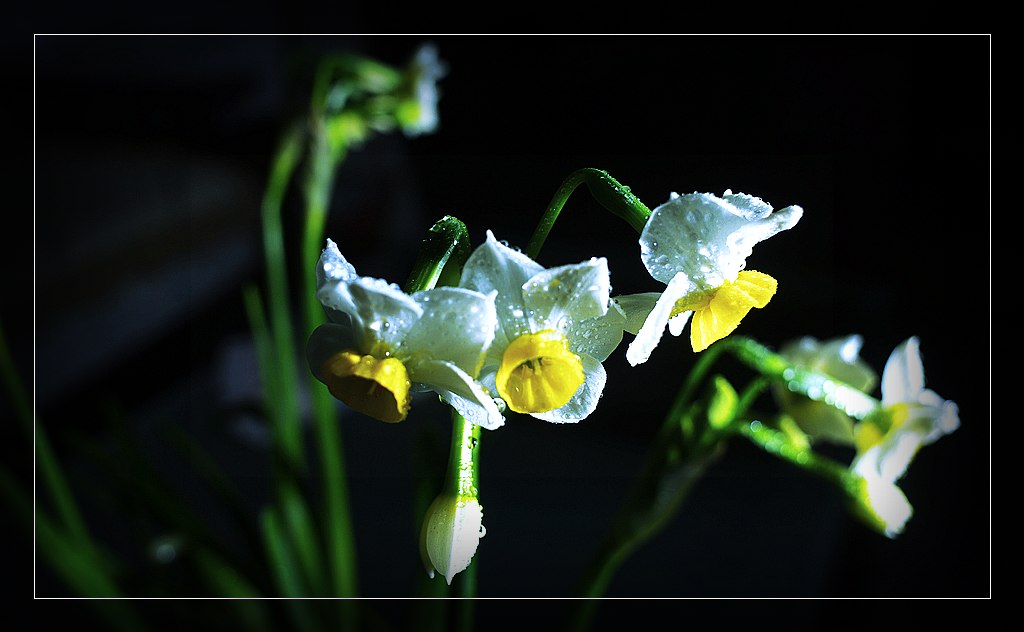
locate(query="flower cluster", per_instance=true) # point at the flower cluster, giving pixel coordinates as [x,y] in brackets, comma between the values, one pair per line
[517,336]
[908,417]
[509,334]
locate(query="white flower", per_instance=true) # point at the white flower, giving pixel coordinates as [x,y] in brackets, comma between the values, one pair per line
[554,329]
[698,244]
[418,114]
[381,343]
[837,358]
[450,534]
[910,417]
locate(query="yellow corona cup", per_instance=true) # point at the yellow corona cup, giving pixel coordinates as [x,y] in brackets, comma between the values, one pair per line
[555,327]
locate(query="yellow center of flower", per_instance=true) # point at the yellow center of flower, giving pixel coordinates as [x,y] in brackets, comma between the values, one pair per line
[373,386]
[538,373]
[870,432]
[718,312]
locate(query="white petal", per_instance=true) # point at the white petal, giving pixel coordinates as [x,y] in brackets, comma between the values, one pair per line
[903,376]
[327,340]
[748,207]
[896,453]
[379,310]
[741,242]
[636,308]
[586,398]
[332,267]
[678,322]
[496,267]
[708,237]
[654,327]
[457,325]
[597,337]
[889,504]
[946,419]
[579,291]
[458,389]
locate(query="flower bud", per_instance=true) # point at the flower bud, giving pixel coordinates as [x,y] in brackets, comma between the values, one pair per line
[451,532]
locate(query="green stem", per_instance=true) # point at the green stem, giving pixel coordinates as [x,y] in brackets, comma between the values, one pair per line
[606,190]
[462,480]
[287,428]
[462,476]
[75,564]
[777,443]
[45,459]
[817,386]
[285,568]
[681,454]
[467,593]
[340,539]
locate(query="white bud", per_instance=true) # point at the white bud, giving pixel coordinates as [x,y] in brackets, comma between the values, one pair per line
[451,532]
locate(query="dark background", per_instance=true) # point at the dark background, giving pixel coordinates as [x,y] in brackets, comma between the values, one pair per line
[151,154]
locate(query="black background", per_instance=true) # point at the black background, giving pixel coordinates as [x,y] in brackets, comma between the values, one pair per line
[151,154]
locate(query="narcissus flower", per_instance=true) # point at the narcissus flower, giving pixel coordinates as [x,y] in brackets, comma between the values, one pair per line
[910,417]
[698,245]
[838,358]
[417,114]
[554,330]
[382,343]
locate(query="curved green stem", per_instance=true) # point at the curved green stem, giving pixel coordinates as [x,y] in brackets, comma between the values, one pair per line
[680,456]
[606,190]
[777,443]
[817,386]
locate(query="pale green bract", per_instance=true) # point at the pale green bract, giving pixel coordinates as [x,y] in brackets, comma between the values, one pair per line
[837,358]
[439,335]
